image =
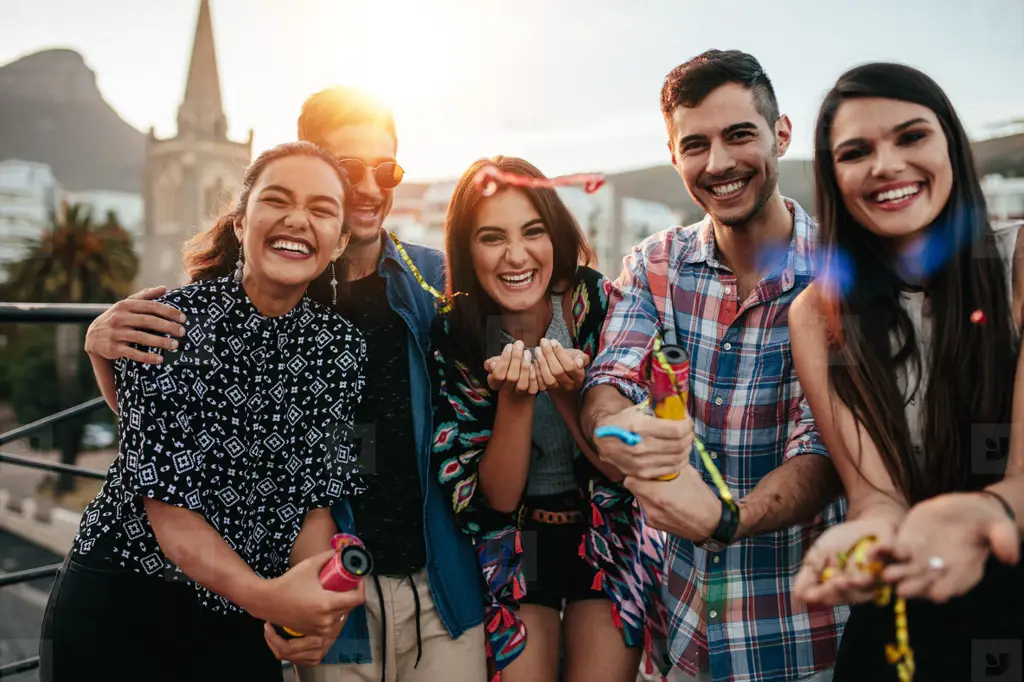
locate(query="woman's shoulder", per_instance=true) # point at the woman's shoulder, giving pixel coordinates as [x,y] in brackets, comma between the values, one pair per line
[589,276]
[588,298]
[809,318]
[197,297]
[326,318]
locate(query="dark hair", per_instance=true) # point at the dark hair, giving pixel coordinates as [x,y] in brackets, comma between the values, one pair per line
[690,83]
[472,308]
[337,106]
[214,252]
[971,382]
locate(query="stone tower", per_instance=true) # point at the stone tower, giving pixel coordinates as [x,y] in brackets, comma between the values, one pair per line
[189,179]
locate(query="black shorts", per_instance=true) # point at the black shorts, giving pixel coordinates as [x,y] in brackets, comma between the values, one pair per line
[556,575]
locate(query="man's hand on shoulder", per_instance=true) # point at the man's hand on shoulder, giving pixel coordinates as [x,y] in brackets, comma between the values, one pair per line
[138,319]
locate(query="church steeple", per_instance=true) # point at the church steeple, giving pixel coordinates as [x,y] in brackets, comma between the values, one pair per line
[201,112]
[189,179]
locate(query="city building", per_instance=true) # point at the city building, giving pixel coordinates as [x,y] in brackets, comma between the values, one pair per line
[29,195]
[1004,196]
[127,206]
[190,178]
[1005,200]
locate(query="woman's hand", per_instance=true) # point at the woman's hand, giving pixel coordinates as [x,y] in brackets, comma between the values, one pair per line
[560,368]
[848,585]
[298,601]
[307,651]
[943,544]
[513,372]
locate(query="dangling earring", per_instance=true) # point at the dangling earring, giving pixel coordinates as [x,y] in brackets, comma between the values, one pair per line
[334,287]
[238,266]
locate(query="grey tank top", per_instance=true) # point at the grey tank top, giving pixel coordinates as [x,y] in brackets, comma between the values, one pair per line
[552,453]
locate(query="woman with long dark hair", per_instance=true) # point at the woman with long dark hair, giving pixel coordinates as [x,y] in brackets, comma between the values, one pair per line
[909,354]
[232,450]
[554,528]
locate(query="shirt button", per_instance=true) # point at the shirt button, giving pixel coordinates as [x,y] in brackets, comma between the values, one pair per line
[727,346]
[718,400]
[716,559]
[713,614]
[728,290]
[714,455]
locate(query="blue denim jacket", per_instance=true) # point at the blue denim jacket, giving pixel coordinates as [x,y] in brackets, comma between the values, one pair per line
[452,570]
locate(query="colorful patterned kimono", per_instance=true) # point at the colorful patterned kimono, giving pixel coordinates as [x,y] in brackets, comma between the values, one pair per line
[626,554]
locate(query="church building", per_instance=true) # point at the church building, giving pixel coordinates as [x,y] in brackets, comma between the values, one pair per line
[191,178]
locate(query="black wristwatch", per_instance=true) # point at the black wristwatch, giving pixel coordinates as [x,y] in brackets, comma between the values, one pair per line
[728,524]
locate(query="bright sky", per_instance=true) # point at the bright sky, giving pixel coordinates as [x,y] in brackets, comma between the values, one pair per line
[572,85]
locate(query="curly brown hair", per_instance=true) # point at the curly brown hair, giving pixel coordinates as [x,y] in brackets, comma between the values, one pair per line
[214,252]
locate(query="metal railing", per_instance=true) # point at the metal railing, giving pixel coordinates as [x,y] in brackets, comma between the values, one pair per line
[47,313]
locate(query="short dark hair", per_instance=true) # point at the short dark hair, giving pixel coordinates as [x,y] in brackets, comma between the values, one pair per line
[690,83]
[341,105]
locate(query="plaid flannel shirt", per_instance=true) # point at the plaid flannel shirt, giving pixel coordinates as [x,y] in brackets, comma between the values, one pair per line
[730,611]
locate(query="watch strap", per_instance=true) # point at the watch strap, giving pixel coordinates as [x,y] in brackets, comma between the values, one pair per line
[728,524]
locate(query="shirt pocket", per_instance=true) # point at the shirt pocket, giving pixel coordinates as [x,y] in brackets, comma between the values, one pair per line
[771,379]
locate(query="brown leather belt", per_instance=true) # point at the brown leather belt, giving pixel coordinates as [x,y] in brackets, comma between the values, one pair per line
[557,518]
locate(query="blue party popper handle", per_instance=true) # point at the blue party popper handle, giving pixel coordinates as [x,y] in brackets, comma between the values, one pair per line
[627,437]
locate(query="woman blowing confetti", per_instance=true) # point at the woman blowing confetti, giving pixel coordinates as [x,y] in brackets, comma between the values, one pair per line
[554,527]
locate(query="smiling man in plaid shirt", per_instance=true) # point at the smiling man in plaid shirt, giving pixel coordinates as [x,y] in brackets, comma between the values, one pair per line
[722,290]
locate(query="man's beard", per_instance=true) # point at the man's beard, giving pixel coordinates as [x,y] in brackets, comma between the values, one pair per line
[741,221]
[764,194]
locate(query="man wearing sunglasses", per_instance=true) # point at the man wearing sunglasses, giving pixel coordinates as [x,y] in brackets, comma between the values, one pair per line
[424,605]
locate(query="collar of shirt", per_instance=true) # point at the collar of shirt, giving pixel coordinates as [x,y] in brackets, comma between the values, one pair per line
[800,255]
[280,323]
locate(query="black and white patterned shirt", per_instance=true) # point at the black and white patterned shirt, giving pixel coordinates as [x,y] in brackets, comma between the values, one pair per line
[250,424]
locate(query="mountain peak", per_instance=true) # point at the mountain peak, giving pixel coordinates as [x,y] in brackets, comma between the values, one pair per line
[56,75]
[55,114]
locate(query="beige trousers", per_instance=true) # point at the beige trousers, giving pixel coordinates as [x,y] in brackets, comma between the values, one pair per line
[443,659]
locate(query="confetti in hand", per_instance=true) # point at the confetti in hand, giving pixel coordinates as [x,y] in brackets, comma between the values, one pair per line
[488,178]
[978,317]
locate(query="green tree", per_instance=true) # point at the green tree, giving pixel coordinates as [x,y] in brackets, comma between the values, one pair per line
[78,260]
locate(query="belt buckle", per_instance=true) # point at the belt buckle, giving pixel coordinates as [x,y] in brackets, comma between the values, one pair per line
[555,518]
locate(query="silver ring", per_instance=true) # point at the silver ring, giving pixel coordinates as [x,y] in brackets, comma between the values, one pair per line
[936,563]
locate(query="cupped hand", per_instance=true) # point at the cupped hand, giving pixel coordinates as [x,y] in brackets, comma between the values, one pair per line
[850,584]
[513,372]
[943,544]
[560,368]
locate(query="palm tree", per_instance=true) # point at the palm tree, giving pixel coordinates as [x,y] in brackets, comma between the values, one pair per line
[78,260]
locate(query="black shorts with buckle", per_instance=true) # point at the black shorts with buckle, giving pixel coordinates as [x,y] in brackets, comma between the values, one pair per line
[556,575]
